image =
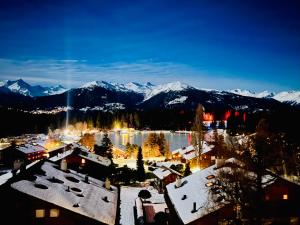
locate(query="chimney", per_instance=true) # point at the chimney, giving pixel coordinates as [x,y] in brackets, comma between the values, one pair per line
[17,164]
[63,165]
[194,207]
[86,179]
[107,184]
[220,162]
[178,182]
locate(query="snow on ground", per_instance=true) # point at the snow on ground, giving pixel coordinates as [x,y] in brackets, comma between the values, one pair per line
[128,196]
[178,100]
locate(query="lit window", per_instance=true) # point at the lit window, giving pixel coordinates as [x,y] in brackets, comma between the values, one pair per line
[54,212]
[209,184]
[82,161]
[285,197]
[40,213]
[210,177]
[213,157]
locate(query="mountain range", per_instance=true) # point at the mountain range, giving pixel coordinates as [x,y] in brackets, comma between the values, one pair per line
[23,88]
[97,95]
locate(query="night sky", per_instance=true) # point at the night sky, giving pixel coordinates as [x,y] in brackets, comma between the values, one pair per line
[209,44]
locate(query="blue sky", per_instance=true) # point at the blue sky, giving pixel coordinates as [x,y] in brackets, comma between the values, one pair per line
[210,44]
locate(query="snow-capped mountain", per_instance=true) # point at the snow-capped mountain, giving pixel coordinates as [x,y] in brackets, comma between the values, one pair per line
[23,88]
[291,97]
[148,90]
[164,88]
[128,87]
[54,90]
[97,94]
[263,94]
[140,88]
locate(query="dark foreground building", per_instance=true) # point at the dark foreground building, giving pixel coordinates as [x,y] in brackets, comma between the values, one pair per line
[190,201]
[48,193]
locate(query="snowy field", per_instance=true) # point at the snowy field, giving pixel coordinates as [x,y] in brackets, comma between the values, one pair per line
[128,196]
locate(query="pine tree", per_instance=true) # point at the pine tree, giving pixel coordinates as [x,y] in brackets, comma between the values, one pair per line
[105,149]
[140,166]
[219,145]
[187,170]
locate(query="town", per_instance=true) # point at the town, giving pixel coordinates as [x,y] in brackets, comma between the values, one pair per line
[70,177]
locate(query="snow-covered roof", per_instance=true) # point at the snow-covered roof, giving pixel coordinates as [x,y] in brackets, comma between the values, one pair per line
[161,173]
[167,163]
[91,203]
[28,148]
[183,150]
[190,155]
[86,154]
[195,190]
[5,177]
[189,152]
[62,155]
[96,158]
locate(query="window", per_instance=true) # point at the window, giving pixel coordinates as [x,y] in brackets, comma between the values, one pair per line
[285,197]
[39,213]
[213,157]
[54,212]
[210,177]
[209,184]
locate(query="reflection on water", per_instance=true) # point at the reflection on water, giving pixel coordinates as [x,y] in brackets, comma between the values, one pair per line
[175,140]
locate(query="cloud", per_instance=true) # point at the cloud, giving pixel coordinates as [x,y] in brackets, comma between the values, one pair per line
[73,73]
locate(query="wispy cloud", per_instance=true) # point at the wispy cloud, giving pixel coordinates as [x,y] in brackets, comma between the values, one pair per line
[77,72]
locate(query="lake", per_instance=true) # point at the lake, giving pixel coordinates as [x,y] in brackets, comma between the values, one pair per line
[175,139]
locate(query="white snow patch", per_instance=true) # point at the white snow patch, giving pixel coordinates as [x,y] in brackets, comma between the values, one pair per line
[178,100]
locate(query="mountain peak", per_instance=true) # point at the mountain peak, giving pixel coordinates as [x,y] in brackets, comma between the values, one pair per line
[172,86]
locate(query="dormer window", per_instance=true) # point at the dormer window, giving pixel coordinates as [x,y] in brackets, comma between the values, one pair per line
[209,184]
[210,177]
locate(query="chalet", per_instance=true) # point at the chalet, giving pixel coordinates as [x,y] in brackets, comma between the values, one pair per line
[189,155]
[164,176]
[81,159]
[47,193]
[30,152]
[190,201]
